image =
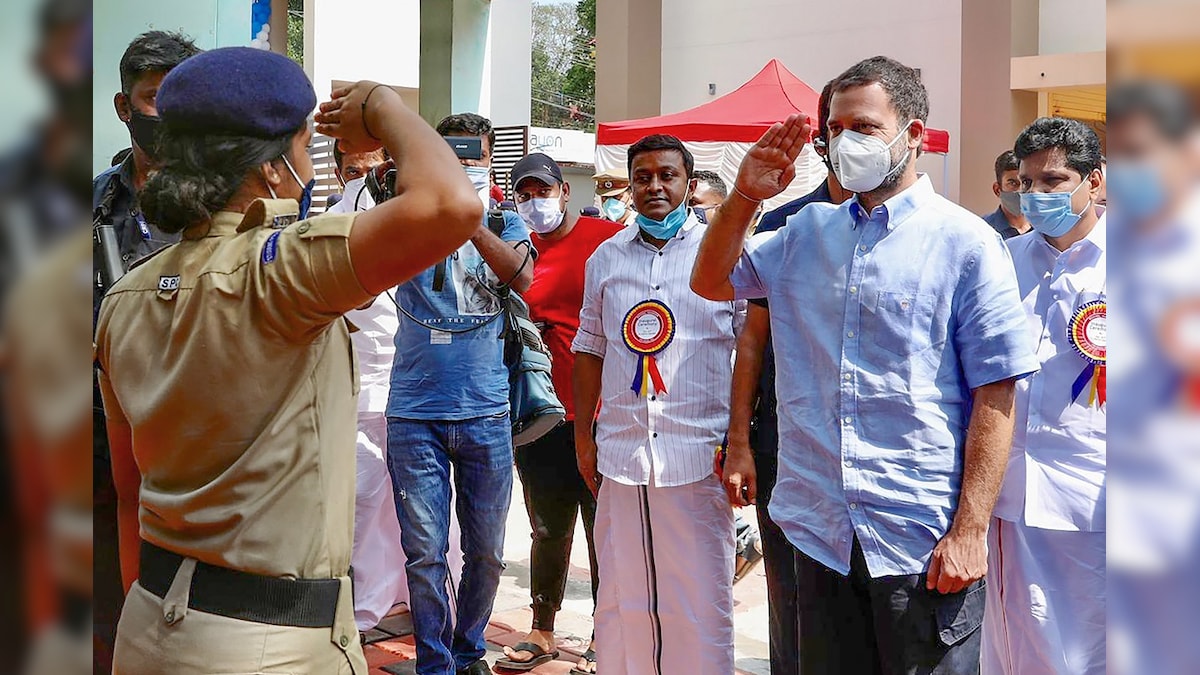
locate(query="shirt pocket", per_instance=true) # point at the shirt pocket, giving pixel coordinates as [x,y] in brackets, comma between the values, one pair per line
[902,323]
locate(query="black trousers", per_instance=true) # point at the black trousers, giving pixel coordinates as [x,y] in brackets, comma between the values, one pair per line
[887,626]
[778,556]
[554,495]
[107,590]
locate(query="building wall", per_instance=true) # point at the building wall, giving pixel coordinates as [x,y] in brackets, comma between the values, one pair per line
[987,102]
[714,41]
[211,23]
[1069,26]
[511,69]
[628,58]
[363,40]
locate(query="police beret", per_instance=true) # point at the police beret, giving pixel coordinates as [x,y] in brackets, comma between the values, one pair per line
[237,90]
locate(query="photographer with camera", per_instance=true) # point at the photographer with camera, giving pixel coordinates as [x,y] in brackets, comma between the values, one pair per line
[449,406]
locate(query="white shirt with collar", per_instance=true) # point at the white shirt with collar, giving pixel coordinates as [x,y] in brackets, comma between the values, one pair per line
[1056,471]
[666,439]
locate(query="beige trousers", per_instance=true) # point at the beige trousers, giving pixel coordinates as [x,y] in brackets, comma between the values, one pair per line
[165,636]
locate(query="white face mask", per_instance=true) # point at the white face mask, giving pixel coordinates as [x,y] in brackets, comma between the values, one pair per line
[861,162]
[480,177]
[543,215]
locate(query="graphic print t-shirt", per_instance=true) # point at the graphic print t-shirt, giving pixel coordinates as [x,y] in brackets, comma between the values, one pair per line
[439,371]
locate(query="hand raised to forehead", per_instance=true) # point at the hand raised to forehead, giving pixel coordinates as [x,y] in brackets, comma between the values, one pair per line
[353,115]
[770,166]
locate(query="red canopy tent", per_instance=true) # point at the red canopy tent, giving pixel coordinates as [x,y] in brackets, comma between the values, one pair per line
[741,116]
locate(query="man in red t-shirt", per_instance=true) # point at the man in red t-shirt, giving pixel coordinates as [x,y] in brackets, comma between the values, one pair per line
[554,490]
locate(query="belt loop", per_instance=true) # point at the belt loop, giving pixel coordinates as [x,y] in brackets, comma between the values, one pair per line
[175,602]
[345,632]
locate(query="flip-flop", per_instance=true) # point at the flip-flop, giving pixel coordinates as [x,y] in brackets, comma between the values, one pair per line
[540,656]
[590,657]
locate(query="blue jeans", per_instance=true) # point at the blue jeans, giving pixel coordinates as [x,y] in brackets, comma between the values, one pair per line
[420,454]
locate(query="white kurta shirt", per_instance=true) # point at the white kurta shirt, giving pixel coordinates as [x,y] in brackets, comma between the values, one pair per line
[669,436]
[1056,471]
[377,324]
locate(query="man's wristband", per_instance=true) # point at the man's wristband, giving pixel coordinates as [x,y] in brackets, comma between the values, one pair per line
[743,195]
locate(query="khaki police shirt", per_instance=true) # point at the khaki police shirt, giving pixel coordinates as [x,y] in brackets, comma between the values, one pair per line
[227,357]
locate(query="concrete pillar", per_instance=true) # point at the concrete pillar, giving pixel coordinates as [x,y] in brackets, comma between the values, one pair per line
[511,76]
[986,123]
[628,59]
[454,40]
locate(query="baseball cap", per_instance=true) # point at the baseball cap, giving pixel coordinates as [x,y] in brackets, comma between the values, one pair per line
[536,165]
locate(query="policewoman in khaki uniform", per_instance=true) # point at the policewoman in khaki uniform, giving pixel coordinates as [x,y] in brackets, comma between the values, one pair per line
[227,371]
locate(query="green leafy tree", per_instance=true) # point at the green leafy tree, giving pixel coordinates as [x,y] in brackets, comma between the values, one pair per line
[295,31]
[580,82]
[561,59]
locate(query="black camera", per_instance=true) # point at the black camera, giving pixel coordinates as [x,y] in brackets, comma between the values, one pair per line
[466,147]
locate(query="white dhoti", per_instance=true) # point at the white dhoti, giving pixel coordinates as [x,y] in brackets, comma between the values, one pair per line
[1046,604]
[377,558]
[665,603]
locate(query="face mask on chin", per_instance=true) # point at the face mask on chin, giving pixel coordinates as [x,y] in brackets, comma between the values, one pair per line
[863,163]
[669,226]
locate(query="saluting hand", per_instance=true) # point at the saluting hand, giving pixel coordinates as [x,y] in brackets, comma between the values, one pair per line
[355,115]
[770,166]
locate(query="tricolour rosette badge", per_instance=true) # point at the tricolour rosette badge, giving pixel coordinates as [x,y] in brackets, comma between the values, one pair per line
[647,330]
[1088,332]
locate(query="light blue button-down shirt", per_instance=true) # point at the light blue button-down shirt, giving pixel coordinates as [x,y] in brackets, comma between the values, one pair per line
[883,323]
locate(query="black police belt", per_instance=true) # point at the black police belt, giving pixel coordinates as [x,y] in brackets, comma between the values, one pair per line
[302,603]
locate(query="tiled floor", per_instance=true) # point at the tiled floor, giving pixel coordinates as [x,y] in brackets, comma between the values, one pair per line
[511,615]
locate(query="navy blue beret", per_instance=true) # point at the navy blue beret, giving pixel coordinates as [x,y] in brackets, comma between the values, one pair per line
[236,90]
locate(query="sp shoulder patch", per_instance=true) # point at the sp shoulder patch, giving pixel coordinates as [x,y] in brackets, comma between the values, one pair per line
[271,248]
[168,283]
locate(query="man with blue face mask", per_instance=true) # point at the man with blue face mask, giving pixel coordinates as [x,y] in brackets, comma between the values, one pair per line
[900,337]
[659,358]
[1046,544]
[448,407]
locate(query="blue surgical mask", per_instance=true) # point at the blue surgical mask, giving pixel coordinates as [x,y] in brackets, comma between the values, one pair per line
[306,197]
[613,209]
[667,227]
[1050,212]
[1137,190]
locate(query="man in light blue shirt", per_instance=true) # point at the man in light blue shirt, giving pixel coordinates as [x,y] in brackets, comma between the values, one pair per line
[900,336]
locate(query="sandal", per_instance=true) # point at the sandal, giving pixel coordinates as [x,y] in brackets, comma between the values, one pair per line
[590,657]
[540,656]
